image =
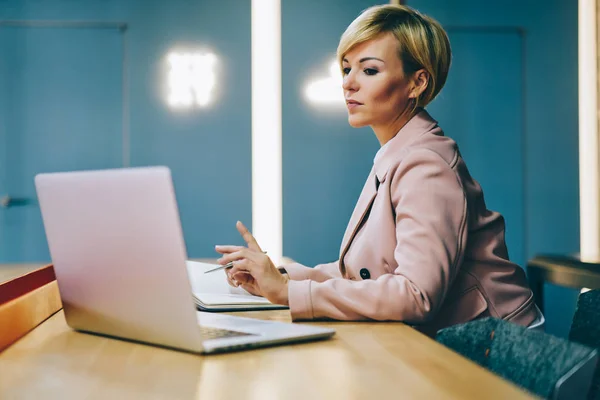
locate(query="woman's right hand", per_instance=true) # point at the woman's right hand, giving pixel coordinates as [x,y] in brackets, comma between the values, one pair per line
[243,279]
[243,257]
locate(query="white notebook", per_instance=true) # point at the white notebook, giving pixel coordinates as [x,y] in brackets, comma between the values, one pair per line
[213,293]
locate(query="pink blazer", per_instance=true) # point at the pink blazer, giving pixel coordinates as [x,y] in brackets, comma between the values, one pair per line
[421,246]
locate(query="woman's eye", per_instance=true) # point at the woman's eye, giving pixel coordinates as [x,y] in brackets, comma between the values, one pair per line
[370,71]
[346,71]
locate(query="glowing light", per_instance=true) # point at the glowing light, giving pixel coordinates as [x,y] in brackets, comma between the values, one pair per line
[589,192]
[191,79]
[327,90]
[266,126]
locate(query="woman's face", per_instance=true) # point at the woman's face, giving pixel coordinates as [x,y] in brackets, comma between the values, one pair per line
[375,86]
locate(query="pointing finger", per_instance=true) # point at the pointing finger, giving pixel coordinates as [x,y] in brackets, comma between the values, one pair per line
[252,243]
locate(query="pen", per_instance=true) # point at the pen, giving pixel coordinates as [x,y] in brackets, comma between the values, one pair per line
[228,265]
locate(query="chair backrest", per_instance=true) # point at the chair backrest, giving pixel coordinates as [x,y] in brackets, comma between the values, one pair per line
[585,329]
[543,364]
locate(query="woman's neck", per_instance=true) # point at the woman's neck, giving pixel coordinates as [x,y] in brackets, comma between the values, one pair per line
[386,132]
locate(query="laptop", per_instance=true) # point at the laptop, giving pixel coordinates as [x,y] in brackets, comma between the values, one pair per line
[119,256]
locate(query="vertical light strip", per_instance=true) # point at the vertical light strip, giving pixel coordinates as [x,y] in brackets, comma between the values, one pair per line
[588,132]
[266,126]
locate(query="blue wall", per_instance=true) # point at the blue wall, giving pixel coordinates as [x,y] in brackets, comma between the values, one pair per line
[208,150]
[325,161]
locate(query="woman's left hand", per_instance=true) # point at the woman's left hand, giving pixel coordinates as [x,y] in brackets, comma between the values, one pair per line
[251,260]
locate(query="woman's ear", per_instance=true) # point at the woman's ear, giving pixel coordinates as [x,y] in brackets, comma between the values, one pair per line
[420,80]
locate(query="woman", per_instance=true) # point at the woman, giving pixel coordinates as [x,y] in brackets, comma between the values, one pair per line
[420,247]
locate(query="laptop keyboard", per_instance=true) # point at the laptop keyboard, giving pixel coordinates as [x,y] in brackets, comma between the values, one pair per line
[209,333]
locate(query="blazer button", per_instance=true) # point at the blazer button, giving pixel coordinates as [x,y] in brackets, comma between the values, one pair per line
[365,274]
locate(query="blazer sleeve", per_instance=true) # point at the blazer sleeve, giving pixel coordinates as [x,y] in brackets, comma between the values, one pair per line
[431,230]
[319,273]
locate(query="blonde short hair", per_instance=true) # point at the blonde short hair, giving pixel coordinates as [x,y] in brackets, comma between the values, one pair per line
[422,42]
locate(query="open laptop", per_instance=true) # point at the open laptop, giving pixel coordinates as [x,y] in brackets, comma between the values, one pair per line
[119,256]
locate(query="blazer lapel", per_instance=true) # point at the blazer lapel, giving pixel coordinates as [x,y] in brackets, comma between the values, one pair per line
[361,211]
[419,124]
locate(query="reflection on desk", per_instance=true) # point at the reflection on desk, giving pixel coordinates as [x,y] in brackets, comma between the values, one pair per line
[11,271]
[363,360]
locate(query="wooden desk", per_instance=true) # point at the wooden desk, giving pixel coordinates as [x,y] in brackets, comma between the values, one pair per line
[564,270]
[363,360]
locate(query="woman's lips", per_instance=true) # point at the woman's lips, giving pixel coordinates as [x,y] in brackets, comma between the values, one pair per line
[351,104]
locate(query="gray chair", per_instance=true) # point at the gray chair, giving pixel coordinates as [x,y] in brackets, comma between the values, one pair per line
[585,329]
[545,365]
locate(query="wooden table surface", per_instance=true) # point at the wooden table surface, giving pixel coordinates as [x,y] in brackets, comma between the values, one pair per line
[363,360]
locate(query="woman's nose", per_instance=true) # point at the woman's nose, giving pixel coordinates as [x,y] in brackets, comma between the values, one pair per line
[349,83]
